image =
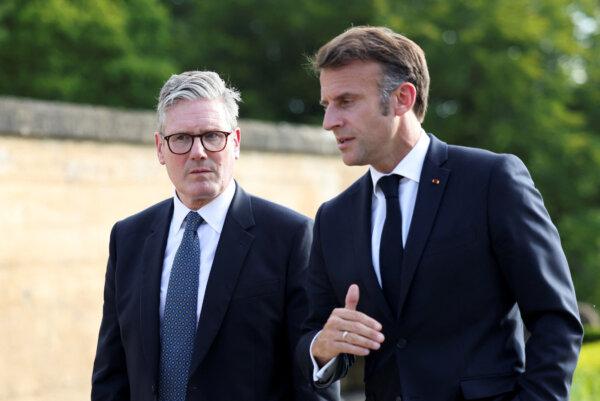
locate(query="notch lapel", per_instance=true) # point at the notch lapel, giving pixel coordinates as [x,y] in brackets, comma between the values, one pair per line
[431,189]
[234,244]
[152,261]
[362,246]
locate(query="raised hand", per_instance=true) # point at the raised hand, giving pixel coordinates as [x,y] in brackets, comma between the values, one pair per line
[347,331]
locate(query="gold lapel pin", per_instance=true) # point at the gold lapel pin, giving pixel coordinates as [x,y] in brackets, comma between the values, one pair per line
[435,181]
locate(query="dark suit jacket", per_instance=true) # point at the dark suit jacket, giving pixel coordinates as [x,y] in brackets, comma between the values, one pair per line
[481,258]
[254,305]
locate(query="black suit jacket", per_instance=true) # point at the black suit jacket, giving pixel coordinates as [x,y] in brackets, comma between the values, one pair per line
[481,258]
[253,307]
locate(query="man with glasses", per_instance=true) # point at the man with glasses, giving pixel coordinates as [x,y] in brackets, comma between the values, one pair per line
[204,292]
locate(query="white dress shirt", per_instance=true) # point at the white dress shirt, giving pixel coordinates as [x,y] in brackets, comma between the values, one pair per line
[410,168]
[209,232]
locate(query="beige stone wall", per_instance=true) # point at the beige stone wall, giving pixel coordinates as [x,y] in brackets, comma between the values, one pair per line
[58,201]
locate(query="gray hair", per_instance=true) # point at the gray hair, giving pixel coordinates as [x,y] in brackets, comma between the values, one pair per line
[390,80]
[194,85]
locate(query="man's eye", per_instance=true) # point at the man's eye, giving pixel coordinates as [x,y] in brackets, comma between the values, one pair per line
[211,136]
[180,137]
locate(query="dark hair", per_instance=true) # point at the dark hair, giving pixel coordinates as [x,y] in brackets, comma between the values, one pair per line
[401,60]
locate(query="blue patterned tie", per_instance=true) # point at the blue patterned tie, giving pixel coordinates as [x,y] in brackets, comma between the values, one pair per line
[391,250]
[178,328]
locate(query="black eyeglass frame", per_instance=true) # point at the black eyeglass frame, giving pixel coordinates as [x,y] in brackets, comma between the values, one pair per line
[199,136]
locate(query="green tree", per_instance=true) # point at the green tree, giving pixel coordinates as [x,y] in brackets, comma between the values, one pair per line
[261,47]
[103,52]
[582,227]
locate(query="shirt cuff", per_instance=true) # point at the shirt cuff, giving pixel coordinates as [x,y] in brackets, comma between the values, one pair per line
[325,374]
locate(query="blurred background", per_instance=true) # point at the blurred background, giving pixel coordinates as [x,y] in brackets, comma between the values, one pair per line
[79,79]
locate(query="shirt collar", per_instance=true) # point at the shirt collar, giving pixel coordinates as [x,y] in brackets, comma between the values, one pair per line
[410,166]
[213,213]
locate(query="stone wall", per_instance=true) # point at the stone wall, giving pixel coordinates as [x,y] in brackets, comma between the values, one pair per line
[67,173]
[43,119]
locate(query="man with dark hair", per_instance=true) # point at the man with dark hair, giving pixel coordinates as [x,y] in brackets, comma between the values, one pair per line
[430,264]
[205,291]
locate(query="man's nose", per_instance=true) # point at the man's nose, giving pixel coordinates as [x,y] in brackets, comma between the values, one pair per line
[331,119]
[197,151]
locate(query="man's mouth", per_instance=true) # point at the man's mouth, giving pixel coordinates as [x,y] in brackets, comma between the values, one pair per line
[200,171]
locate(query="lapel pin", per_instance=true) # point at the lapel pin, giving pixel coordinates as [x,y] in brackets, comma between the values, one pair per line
[435,181]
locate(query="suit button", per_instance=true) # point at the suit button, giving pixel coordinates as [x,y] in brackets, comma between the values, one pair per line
[401,343]
[398,398]
[194,388]
[154,389]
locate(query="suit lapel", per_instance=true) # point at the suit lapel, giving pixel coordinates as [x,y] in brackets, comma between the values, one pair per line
[431,189]
[234,244]
[152,260]
[362,246]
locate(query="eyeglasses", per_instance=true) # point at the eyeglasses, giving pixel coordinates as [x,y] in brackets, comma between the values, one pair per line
[212,141]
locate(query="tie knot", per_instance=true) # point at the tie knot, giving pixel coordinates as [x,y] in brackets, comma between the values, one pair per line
[193,221]
[389,185]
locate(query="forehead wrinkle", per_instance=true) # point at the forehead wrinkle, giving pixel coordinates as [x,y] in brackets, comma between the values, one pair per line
[196,120]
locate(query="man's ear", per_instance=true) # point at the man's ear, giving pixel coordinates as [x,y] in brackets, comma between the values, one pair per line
[405,97]
[237,136]
[160,144]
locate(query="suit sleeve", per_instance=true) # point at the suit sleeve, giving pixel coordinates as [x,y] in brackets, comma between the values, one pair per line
[109,377]
[297,310]
[527,247]
[321,302]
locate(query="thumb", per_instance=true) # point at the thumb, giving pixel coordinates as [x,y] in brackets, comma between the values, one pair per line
[352,297]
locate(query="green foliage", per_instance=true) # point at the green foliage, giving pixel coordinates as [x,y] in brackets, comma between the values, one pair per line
[586,382]
[104,51]
[261,47]
[591,334]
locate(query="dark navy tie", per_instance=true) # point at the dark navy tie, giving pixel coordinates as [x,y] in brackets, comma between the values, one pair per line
[178,327]
[391,249]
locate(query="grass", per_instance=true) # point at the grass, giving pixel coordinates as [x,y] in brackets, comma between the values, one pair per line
[586,383]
